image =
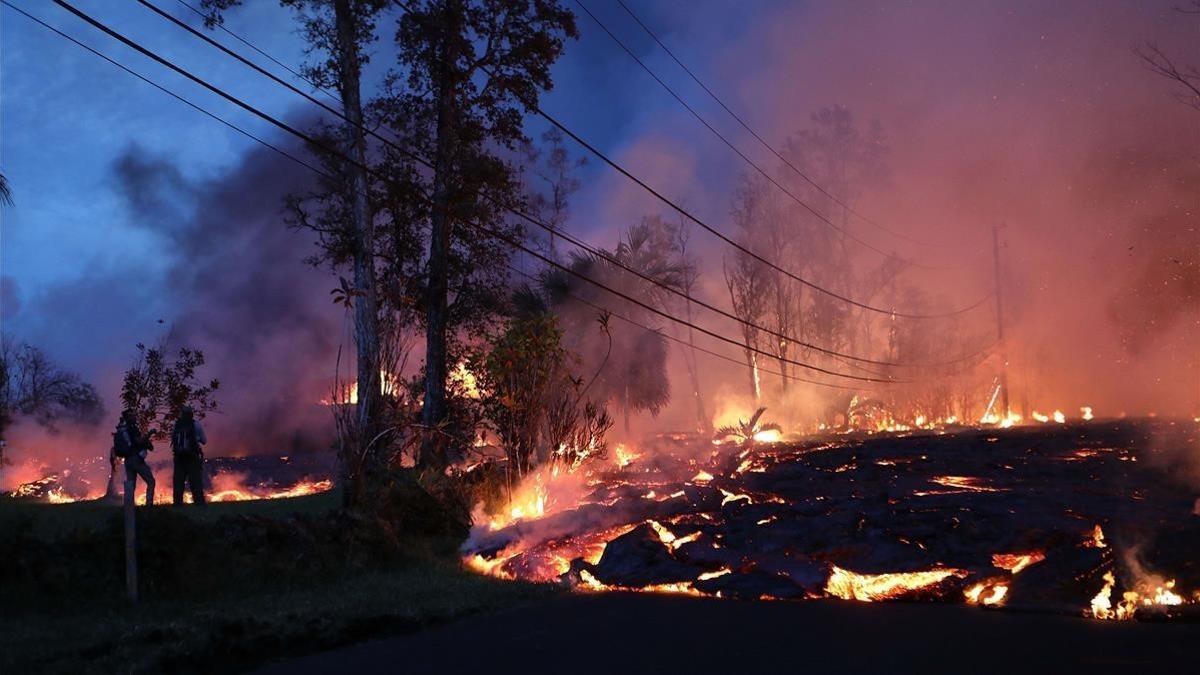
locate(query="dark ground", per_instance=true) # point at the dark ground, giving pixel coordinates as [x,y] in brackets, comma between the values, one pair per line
[643,633]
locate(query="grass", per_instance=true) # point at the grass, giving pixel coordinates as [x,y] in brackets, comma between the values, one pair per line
[233,620]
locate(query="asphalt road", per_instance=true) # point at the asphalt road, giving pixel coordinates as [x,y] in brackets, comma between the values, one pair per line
[615,634]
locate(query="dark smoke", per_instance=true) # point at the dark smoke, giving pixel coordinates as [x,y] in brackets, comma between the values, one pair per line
[244,294]
[230,280]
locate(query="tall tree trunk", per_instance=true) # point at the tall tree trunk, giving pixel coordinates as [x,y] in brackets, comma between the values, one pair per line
[366,319]
[433,412]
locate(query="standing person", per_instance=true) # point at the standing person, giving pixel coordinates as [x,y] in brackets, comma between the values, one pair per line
[130,444]
[187,441]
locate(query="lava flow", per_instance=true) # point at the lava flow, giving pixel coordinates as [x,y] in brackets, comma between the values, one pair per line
[996,517]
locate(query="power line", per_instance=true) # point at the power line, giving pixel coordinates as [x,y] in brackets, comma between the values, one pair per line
[221,25]
[503,238]
[166,91]
[725,238]
[692,346]
[760,139]
[765,174]
[548,228]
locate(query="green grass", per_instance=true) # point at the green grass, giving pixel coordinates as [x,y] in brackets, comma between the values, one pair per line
[241,616]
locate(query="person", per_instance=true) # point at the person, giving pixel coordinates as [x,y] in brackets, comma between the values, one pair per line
[187,445]
[130,444]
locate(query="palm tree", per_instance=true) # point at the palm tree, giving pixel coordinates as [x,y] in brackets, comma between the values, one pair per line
[745,430]
[5,192]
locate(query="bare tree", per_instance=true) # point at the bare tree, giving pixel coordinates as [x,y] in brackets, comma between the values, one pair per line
[555,170]
[1187,77]
[33,387]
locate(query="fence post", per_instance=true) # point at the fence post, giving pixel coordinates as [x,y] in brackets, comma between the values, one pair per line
[131,583]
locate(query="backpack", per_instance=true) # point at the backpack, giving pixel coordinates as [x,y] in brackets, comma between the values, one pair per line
[183,441]
[123,443]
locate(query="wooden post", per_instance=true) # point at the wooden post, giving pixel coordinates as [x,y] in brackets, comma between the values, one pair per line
[131,583]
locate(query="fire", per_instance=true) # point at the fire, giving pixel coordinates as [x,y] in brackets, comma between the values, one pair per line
[768,436]
[668,537]
[849,585]
[591,583]
[1010,419]
[389,385]
[624,456]
[1040,417]
[996,593]
[1087,412]
[465,380]
[241,494]
[1059,417]
[1095,538]
[1150,592]
[1015,562]
[962,484]
[731,497]
[713,575]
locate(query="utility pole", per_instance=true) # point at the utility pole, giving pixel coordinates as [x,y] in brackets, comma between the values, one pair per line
[1001,346]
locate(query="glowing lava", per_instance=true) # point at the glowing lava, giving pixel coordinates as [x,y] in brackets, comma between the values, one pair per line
[874,587]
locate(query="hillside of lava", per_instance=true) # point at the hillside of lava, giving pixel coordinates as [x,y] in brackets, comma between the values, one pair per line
[1095,518]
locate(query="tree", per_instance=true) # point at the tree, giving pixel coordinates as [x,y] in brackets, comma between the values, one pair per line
[468,71]
[338,32]
[5,191]
[33,387]
[157,387]
[533,400]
